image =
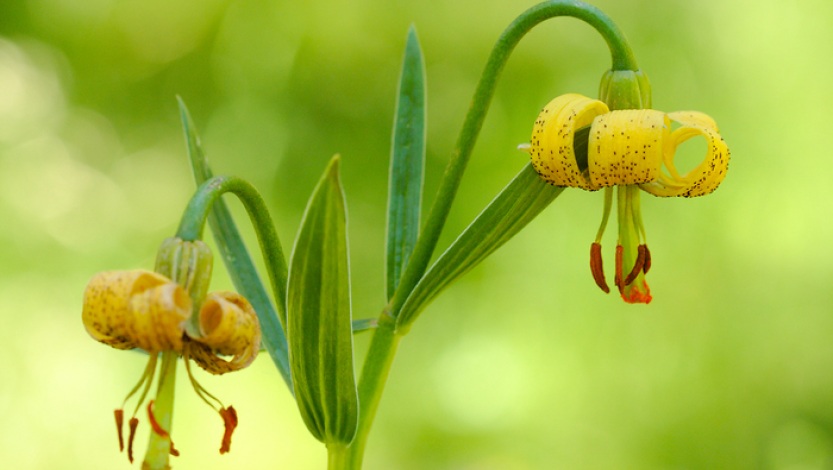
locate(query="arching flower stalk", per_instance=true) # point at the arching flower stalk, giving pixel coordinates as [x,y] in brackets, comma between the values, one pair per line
[150,311]
[579,142]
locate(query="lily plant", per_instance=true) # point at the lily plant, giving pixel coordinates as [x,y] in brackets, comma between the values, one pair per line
[304,319]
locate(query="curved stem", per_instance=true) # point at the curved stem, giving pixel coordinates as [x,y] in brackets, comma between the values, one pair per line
[191,227]
[622,59]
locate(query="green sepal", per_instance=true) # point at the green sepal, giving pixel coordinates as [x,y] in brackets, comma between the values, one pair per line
[239,264]
[625,89]
[407,163]
[519,202]
[188,263]
[319,317]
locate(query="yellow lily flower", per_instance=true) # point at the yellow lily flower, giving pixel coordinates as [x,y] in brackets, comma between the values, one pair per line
[146,310]
[578,142]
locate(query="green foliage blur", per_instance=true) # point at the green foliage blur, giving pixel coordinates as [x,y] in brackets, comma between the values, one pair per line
[524,363]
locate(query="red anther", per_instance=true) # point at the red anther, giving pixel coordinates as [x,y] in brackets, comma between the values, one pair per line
[133,423]
[119,424]
[155,424]
[647,265]
[596,267]
[638,265]
[229,416]
[618,276]
[157,428]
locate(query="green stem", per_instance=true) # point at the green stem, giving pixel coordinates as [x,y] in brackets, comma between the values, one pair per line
[191,227]
[622,59]
[159,447]
[336,457]
[375,372]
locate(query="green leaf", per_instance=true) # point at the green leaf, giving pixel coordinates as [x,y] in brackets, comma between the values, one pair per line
[238,262]
[519,202]
[319,326]
[407,163]
[365,324]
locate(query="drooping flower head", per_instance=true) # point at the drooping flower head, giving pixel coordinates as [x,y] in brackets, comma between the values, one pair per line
[579,142]
[150,311]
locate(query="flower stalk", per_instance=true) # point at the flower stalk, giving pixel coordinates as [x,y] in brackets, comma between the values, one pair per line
[160,414]
[386,340]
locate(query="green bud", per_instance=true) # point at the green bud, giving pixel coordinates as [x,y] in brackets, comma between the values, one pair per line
[625,89]
[189,264]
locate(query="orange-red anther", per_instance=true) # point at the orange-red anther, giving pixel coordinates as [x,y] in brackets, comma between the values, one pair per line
[229,416]
[638,265]
[647,265]
[596,267]
[133,423]
[119,424]
[155,424]
[157,428]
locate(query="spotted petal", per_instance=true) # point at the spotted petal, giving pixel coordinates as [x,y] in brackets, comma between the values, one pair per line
[229,327]
[107,312]
[625,147]
[551,145]
[157,316]
[706,177]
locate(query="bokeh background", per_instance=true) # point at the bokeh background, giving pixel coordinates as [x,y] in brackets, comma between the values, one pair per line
[522,364]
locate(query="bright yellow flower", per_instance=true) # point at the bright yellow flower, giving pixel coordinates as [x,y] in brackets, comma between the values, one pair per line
[146,310]
[578,142]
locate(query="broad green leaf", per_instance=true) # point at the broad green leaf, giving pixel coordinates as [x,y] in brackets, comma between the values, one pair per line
[407,163]
[319,320]
[238,262]
[519,202]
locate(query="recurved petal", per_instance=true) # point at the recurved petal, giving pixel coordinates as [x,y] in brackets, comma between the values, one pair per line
[229,327]
[708,175]
[157,317]
[626,147]
[551,146]
[106,302]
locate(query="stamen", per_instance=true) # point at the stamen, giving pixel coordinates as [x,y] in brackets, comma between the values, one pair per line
[647,265]
[229,416]
[157,428]
[638,265]
[596,267]
[133,423]
[199,389]
[119,424]
[605,213]
[155,424]
[618,276]
[146,380]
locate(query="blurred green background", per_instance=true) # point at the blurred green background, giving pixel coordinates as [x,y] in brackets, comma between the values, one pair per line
[523,364]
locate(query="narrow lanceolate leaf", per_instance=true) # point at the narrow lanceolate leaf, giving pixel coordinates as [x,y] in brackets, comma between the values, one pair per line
[319,317]
[519,202]
[407,163]
[238,262]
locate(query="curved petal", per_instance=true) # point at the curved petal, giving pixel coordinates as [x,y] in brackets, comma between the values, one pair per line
[626,147]
[708,175]
[229,327]
[106,304]
[551,145]
[157,317]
